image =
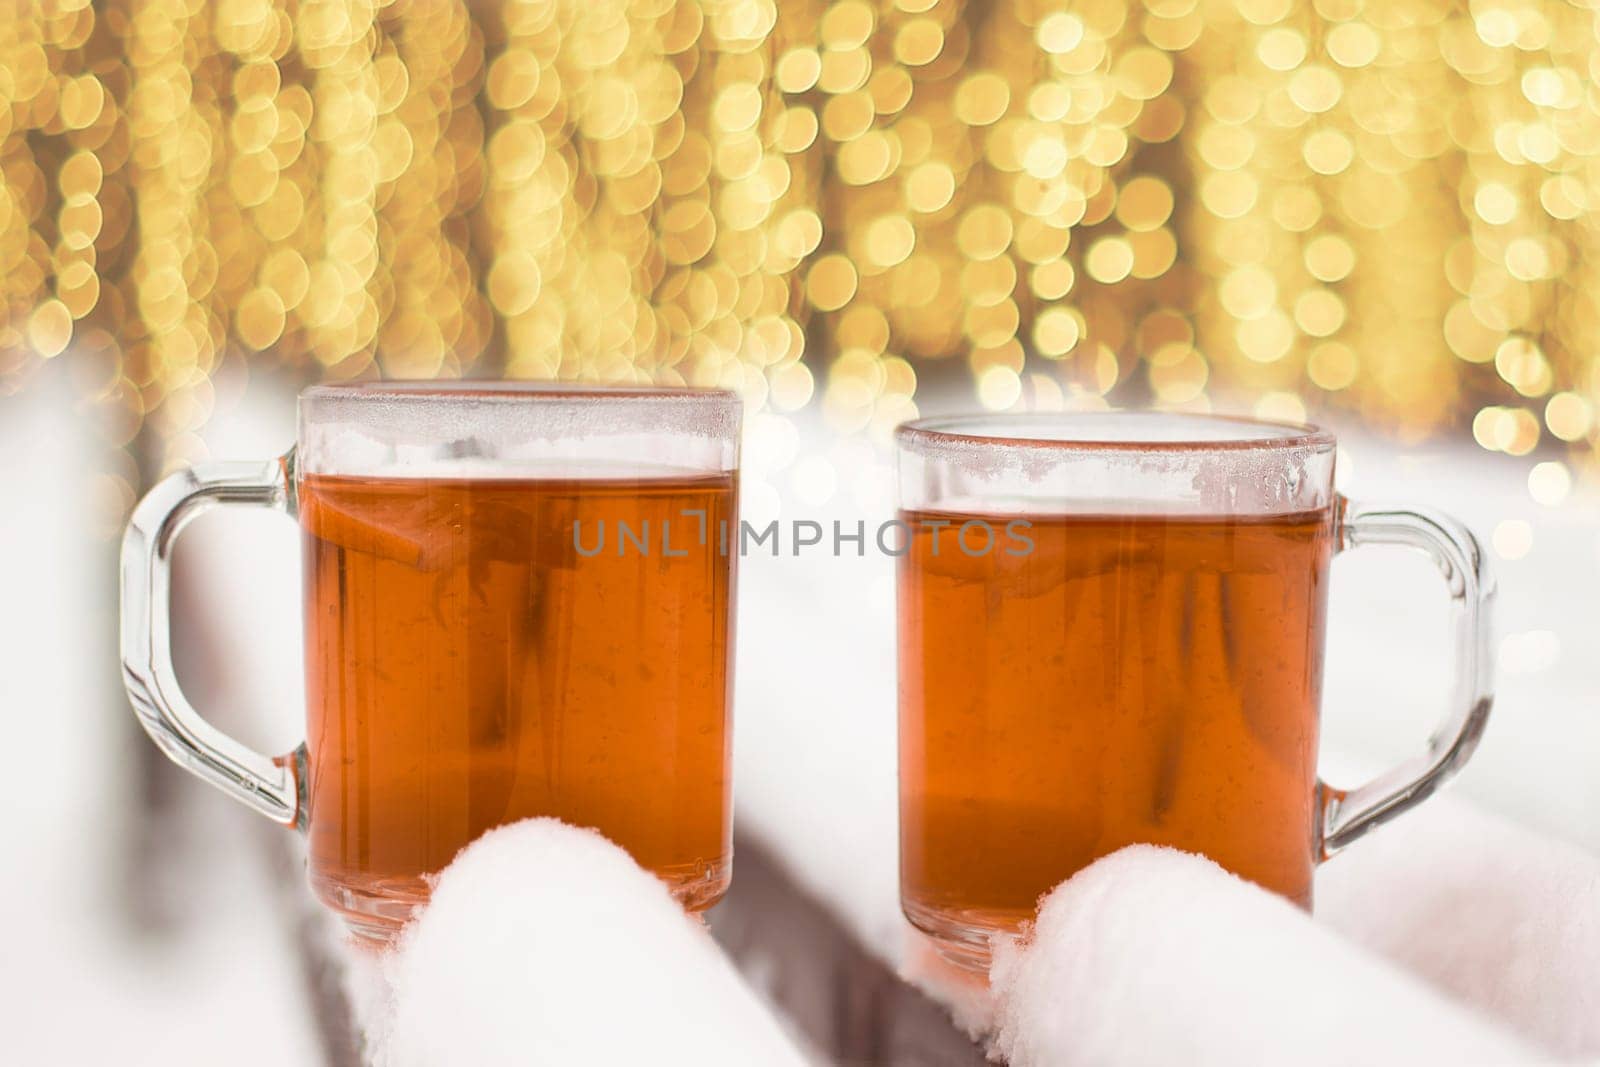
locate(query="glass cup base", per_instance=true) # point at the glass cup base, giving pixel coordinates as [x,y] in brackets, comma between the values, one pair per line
[375,909]
[962,936]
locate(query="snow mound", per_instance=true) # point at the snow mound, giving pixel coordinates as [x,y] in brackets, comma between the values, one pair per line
[1154,956]
[546,944]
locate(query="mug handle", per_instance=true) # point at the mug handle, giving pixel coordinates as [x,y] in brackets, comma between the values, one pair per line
[274,787]
[1349,813]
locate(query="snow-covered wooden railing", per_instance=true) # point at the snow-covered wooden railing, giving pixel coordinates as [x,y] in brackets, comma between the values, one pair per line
[812,920]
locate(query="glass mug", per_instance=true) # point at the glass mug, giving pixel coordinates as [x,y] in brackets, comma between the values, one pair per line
[1110,632]
[499,623]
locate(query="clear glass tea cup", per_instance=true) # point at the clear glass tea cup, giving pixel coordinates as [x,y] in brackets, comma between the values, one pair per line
[516,604]
[1111,631]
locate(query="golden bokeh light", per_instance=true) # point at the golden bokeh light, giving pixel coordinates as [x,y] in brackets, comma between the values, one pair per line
[1387,209]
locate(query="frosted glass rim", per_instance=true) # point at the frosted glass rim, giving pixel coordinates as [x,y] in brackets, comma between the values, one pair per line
[1112,431]
[490,389]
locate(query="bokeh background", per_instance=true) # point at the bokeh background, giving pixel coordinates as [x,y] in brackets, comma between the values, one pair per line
[1384,214]
[1389,208]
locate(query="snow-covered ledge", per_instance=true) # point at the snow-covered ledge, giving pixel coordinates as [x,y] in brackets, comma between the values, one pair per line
[813,919]
[239,631]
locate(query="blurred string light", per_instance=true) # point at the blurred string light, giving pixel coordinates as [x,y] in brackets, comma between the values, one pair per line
[1390,207]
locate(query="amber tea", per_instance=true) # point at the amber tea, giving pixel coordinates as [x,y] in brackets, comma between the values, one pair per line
[1140,678]
[474,655]
[499,623]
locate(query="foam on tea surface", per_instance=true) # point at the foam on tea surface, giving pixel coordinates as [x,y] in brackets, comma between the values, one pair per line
[362,454]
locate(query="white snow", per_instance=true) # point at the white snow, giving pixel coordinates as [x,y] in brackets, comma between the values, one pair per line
[86,979]
[547,944]
[814,702]
[1471,905]
[1456,932]
[1501,917]
[1153,956]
